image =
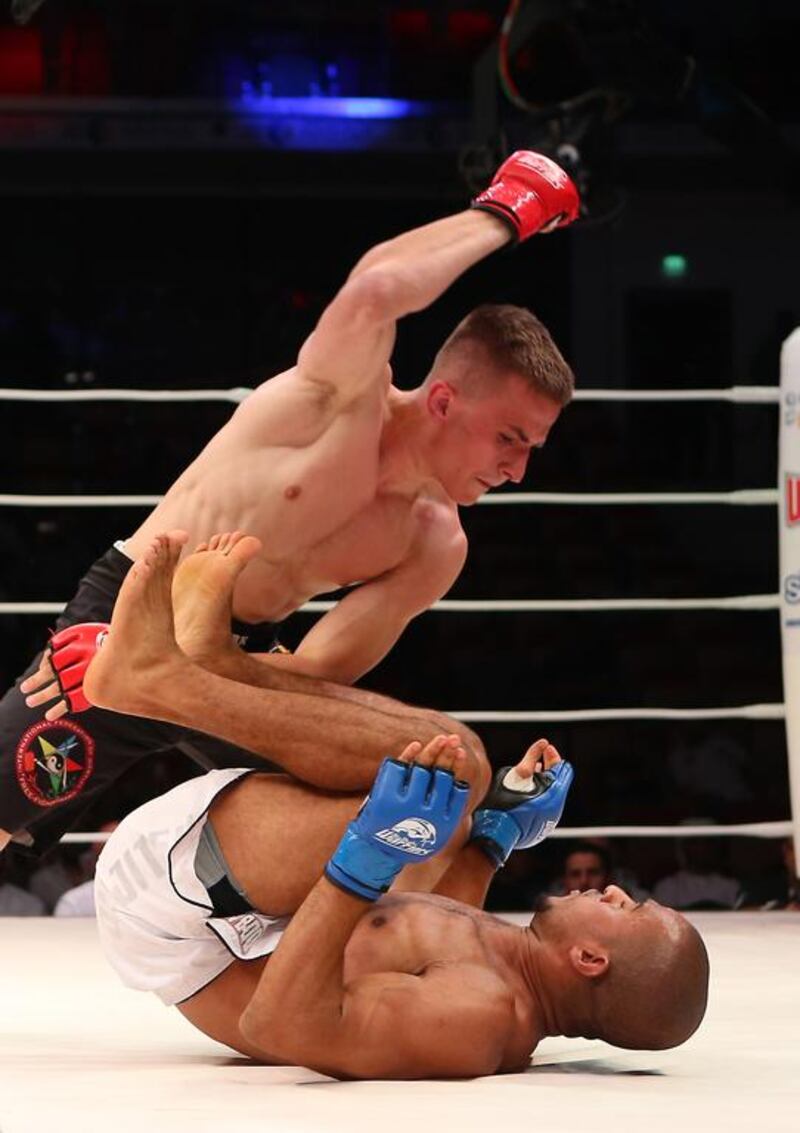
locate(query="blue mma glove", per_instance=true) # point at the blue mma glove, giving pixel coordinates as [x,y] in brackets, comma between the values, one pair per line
[513,819]
[409,815]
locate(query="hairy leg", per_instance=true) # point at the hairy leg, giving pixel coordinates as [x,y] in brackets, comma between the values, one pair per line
[327,742]
[276,835]
[202,596]
[202,599]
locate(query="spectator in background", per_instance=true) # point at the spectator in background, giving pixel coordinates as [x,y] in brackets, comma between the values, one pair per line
[516,886]
[792,891]
[60,870]
[17,902]
[776,889]
[590,864]
[586,866]
[79,901]
[699,882]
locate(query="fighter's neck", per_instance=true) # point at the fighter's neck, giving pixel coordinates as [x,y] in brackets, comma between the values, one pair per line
[526,959]
[561,1000]
[405,463]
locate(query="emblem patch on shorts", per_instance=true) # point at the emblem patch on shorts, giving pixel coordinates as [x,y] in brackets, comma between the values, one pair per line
[54,762]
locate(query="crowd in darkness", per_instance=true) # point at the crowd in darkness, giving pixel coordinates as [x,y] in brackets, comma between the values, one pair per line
[208,294]
[61,883]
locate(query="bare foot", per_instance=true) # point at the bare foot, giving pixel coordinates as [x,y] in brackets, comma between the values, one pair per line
[140,657]
[202,592]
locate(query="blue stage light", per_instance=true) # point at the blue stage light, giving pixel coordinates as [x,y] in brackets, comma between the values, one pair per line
[323,106]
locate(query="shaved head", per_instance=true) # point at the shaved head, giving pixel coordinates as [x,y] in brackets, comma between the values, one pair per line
[633,974]
[655,991]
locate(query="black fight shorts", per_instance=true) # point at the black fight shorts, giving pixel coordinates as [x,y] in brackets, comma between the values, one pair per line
[51,773]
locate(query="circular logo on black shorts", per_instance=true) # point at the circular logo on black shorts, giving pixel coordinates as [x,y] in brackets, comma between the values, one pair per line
[54,762]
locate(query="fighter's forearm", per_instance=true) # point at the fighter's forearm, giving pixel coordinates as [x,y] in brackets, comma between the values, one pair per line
[468,877]
[295,1014]
[424,262]
[312,667]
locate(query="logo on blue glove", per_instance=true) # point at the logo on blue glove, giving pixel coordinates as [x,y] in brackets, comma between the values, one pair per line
[413,835]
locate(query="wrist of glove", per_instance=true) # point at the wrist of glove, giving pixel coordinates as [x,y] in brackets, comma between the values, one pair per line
[70,652]
[409,816]
[531,194]
[512,818]
[359,867]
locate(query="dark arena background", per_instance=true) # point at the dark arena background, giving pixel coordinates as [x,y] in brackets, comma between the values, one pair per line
[185,184]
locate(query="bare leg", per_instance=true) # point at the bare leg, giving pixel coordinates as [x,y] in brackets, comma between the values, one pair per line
[259,820]
[276,835]
[332,744]
[5,838]
[202,592]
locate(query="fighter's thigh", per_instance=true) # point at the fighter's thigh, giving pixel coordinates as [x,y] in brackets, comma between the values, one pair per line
[50,772]
[277,834]
[41,764]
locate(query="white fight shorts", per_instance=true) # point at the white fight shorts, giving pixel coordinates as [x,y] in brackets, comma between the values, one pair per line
[156,922]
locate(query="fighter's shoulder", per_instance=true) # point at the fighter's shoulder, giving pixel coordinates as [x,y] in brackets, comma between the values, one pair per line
[438,526]
[328,397]
[433,560]
[289,387]
[290,410]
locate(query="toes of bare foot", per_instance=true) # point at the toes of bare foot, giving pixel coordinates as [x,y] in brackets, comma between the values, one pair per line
[244,548]
[178,537]
[175,544]
[145,560]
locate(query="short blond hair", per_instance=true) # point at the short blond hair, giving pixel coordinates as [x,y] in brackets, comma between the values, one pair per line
[514,339]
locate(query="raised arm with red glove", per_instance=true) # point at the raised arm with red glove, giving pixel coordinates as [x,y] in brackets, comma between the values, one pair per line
[531,194]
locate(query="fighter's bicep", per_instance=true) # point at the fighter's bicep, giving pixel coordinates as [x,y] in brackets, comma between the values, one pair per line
[352,342]
[449,1021]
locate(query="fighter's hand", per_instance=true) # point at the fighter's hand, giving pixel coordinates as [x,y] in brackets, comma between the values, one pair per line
[62,670]
[410,814]
[524,804]
[443,753]
[530,193]
[540,756]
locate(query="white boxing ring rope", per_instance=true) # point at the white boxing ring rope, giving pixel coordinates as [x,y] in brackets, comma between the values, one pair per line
[789,455]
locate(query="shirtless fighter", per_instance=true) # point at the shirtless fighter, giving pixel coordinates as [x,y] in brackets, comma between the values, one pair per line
[344,478]
[256,903]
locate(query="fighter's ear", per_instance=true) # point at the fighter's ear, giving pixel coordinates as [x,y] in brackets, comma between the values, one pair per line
[589,960]
[439,401]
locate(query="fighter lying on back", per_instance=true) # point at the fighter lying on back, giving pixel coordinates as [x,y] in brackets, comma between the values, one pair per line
[258,903]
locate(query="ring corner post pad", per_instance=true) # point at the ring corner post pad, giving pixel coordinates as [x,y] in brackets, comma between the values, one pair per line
[789,550]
